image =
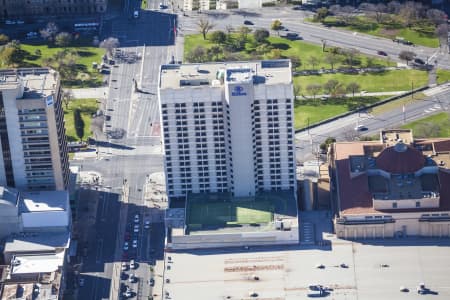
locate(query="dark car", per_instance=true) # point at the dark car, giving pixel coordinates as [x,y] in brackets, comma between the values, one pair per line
[247,22]
[419,61]
[382,53]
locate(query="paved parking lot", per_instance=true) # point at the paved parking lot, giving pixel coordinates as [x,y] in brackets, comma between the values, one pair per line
[370,271]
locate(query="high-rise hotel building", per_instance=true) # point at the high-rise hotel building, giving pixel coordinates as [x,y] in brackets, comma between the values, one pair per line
[228,127]
[33,146]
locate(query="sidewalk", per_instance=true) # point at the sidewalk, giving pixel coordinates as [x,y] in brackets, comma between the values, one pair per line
[359,94]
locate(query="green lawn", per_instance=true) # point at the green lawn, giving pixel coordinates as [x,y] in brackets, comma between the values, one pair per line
[88,107]
[87,55]
[433,126]
[396,104]
[395,80]
[443,76]
[229,213]
[300,49]
[316,113]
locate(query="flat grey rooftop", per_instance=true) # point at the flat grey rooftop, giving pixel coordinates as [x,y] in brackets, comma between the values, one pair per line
[41,201]
[208,74]
[42,241]
[37,83]
[286,274]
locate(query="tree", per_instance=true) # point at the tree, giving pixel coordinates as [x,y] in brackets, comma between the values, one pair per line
[79,123]
[350,56]
[12,53]
[393,7]
[63,39]
[442,34]
[313,61]
[204,26]
[109,44]
[197,55]
[314,89]
[263,49]
[64,62]
[218,37]
[353,88]
[276,26]
[66,97]
[406,55]
[332,58]
[327,143]
[321,14]
[275,54]
[410,12]
[297,90]
[261,35]
[214,52]
[49,32]
[331,86]
[3,39]
[436,16]
[296,62]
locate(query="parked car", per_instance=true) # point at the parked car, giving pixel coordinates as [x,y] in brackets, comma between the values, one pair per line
[124,266]
[382,53]
[125,246]
[132,264]
[419,61]
[247,22]
[360,127]
[136,14]
[81,282]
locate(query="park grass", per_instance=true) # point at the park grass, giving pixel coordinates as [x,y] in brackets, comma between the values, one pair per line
[396,104]
[388,81]
[443,76]
[87,55]
[305,115]
[310,111]
[88,107]
[230,213]
[421,127]
[300,49]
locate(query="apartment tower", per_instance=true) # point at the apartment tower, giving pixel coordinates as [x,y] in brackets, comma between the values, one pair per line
[228,127]
[33,152]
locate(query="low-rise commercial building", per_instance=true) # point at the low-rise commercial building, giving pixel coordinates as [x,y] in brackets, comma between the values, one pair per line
[397,186]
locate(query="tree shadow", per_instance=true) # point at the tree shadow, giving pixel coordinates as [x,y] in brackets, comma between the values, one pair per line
[84,53]
[281,46]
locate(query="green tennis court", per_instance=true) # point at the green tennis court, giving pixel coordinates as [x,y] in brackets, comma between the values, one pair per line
[234,212]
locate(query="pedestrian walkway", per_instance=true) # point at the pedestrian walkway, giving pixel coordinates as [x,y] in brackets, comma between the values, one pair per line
[361,94]
[89,93]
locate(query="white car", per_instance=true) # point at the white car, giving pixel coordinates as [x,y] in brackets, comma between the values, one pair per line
[136,229]
[147,225]
[136,218]
[132,278]
[132,264]
[125,246]
[134,243]
[124,266]
[10,22]
[360,128]
[136,14]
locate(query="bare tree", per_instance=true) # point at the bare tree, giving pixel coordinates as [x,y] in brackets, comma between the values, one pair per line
[332,58]
[411,12]
[66,97]
[49,32]
[442,34]
[204,26]
[350,55]
[314,89]
[197,55]
[313,61]
[63,39]
[377,10]
[353,88]
[436,16]
[406,55]
[393,7]
[109,44]
[331,86]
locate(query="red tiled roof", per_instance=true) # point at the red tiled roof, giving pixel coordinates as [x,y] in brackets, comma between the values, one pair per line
[393,161]
[442,146]
[354,194]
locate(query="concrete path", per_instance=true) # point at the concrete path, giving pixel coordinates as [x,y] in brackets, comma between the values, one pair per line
[89,93]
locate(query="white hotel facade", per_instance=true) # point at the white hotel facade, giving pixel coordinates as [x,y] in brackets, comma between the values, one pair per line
[228,127]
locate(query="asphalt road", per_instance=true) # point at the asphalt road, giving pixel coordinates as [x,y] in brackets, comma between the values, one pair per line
[294,22]
[307,142]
